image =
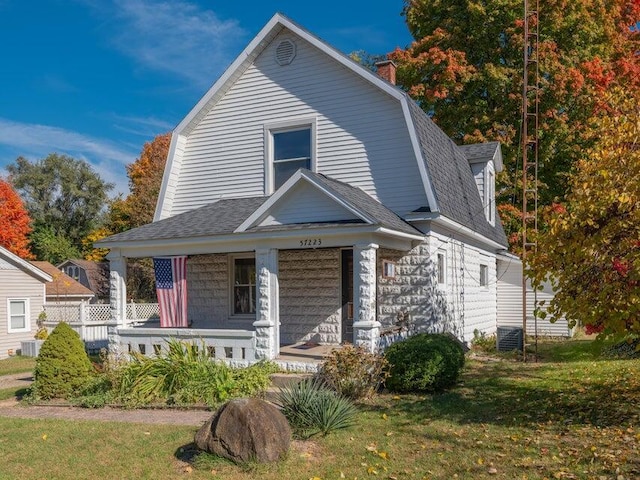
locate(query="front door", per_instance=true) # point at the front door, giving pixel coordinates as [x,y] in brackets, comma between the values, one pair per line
[347,296]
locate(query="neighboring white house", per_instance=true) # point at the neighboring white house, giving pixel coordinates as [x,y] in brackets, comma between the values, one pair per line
[22,296]
[317,202]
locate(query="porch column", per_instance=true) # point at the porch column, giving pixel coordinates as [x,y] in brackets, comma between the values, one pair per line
[117,297]
[366,328]
[267,322]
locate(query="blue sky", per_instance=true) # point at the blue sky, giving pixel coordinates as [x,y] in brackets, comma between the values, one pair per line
[95,79]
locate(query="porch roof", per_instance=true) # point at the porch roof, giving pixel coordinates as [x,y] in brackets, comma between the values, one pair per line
[225,216]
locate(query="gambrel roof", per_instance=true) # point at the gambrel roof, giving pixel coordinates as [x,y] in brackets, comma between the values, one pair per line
[443,167]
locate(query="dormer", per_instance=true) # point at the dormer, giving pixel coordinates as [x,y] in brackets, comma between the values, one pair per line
[485,160]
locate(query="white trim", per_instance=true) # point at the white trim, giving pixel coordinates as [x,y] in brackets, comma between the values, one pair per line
[457,227]
[417,151]
[27,315]
[171,159]
[25,265]
[299,176]
[292,124]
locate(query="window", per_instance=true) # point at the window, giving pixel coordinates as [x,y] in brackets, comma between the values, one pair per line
[18,315]
[73,272]
[491,197]
[484,275]
[244,286]
[442,268]
[388,269]
[291,151]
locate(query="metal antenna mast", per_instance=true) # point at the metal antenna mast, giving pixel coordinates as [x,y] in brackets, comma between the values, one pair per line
[530,129]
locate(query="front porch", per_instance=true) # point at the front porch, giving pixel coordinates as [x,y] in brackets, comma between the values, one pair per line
[249,306]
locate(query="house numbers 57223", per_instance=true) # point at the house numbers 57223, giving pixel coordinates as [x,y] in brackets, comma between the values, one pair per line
[311,242]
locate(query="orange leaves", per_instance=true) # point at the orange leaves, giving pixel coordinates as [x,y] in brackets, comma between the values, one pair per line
[14,222]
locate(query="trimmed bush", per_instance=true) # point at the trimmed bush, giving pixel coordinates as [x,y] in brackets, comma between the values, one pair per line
[312,408]
[424,363]
[353,372]
[62,367]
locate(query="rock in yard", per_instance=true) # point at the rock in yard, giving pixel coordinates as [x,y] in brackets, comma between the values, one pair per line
[247,429]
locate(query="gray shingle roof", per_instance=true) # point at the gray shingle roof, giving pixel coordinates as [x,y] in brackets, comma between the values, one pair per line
[365,203]
[455,188]
[479,151]
[218,218]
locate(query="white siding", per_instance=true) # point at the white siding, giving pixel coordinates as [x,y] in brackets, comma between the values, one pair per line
[362,137]
[306,204]
[459,306]
[509,302]
[17,284]
[478,173]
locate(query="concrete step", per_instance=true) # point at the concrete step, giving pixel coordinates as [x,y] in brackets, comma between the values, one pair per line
[284,379]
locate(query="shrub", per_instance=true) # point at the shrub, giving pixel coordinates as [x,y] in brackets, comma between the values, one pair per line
[354,372]
[62,367]
[424,363]
[312,408]
[183,374]
[253,380]
[186,374]
[483,343]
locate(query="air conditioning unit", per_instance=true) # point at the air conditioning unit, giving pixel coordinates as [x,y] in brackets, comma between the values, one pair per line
[509,338]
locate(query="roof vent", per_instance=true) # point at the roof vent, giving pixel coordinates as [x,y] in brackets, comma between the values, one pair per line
[285,52]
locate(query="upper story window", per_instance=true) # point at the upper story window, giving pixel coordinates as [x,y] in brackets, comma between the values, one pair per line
[290,146]
[291,151]
[18,315]
[491,193]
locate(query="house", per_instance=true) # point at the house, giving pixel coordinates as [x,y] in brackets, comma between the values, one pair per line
[93,275]
[316,202]
[62,289]
[22,296]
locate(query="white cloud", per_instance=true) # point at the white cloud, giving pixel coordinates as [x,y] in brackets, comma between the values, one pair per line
[176,36]
[147,127]
[37,141]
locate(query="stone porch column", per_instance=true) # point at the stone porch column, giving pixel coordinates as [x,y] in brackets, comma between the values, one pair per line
[117,297]
[366,328]
[267,322]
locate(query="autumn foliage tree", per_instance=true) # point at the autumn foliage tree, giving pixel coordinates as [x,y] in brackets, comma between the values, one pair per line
[145,179]
[591,251]
[15,224]
[465,69]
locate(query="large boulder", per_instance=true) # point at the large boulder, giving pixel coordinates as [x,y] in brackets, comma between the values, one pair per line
[246,429]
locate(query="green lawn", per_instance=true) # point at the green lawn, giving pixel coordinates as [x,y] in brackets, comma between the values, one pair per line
[17,364]
[574,418]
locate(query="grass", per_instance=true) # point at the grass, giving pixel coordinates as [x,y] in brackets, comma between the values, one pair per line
[17,364]
[569,416]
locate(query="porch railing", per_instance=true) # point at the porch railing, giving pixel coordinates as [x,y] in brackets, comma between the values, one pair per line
[91,320]
[231,345]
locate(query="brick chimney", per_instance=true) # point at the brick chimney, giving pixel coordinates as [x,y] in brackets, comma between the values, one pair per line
[387,71]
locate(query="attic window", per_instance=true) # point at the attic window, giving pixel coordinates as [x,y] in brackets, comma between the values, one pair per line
[285,52]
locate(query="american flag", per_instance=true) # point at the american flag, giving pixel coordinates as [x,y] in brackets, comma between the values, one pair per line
[171,289]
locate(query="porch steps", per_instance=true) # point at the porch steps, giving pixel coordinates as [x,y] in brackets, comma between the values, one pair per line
[281,380]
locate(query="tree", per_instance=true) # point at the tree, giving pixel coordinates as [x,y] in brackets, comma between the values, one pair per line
[591,250]
[15,224]
[465,68]
[63,195]
[145,180]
